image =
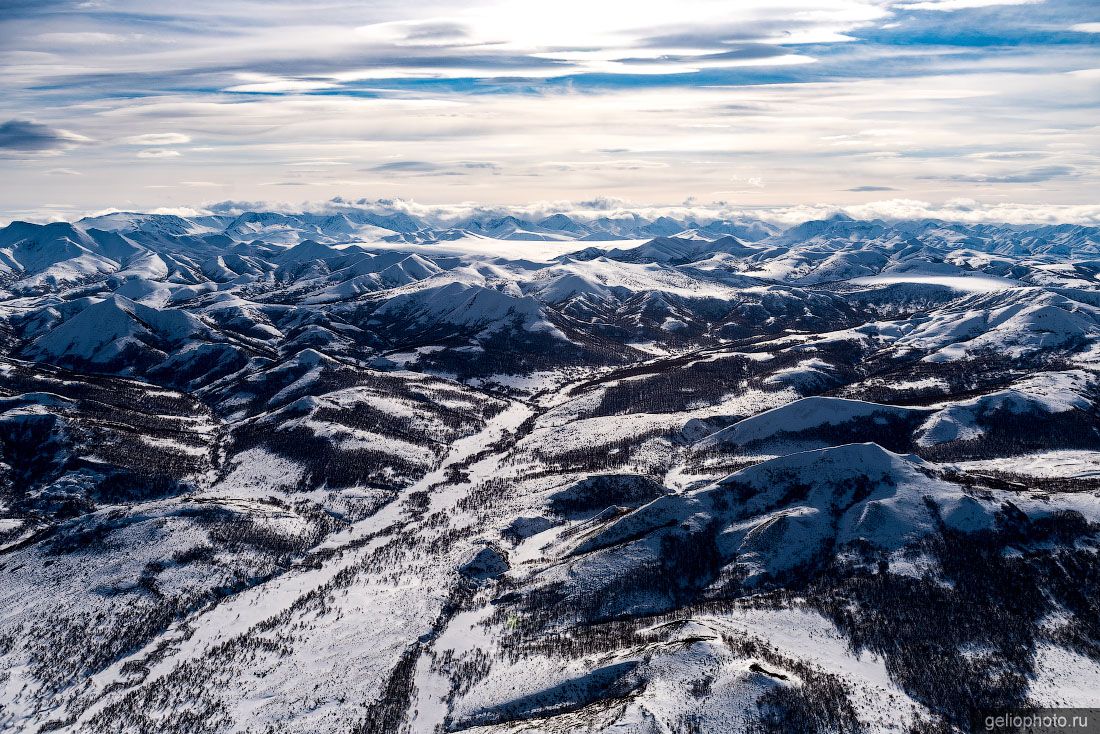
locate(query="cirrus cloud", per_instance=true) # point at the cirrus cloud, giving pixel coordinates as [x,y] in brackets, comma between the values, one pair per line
[158,153]
[643,99]
[158,139]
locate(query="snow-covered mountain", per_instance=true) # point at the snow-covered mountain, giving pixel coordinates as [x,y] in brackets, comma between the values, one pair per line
[368,472]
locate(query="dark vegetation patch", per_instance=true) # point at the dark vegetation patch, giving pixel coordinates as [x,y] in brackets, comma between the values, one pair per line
[979,373]
[512,350]
[1008,433]
[241,551]
[96,441]
[599,492]
[819,704]
[675,390]
[596,458]
[389,711]
[960,639]
[891,430]
[965,642]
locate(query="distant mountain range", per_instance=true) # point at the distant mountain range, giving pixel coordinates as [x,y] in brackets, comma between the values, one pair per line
[284,228]
[402,227]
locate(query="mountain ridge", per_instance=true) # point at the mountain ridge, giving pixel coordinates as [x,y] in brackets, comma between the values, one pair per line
[343,472]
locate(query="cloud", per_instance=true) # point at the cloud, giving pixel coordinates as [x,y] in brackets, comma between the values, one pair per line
[755,182]
[436,32]
[1009,155]
[158,153]
[956,210]
[298,51]
[80,38]
[158,139]
[964,210]
[265,84]
[234,208]
[643,100]
[414,166]
[1086,27]
[1032,175]
[62,172]
[28,138]
[602,203]
[318,163]
[427,167]
[949,5]
[179,211]
[873,188]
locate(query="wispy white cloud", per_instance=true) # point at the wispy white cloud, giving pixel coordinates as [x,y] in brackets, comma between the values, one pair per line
[79,38]
[1036,174]
[949,5]
[158,139]
[158,153]
[265,84]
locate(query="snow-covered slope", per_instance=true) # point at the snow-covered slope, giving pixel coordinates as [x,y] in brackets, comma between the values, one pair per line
[363,471]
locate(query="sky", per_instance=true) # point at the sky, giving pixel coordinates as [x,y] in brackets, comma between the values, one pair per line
[888,107]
